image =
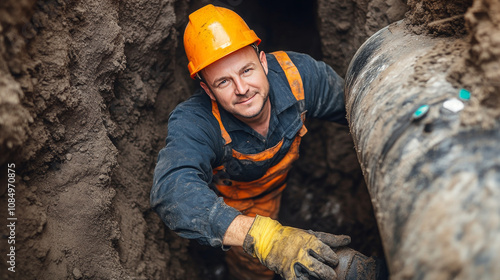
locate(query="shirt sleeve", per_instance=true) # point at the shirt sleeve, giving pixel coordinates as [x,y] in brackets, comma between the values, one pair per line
[323,89]
[180,194]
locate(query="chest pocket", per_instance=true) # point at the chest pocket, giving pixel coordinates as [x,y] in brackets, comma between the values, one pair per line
[263,195]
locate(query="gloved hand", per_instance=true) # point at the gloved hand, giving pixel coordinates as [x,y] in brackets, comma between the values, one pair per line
[291,252]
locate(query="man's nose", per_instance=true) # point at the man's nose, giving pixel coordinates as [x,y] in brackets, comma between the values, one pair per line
[241,86]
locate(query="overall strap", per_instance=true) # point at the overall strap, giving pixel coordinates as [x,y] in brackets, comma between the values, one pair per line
[294,80]
[216,113]
[292,74]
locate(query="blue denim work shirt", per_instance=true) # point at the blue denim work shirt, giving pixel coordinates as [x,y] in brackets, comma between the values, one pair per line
[181,193]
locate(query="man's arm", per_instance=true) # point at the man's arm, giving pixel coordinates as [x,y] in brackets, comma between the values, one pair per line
[180,193]
[237,230]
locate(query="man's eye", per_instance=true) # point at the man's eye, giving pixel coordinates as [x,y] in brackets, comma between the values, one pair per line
[247,70]
[222,83]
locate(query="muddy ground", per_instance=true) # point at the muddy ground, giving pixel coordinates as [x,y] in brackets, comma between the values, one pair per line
[85,92]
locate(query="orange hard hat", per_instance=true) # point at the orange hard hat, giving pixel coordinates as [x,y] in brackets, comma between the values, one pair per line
[212,33]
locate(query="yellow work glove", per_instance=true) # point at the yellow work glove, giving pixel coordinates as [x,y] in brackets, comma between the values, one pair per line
[291,252]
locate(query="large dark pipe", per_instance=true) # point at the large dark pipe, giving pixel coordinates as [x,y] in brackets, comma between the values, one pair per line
[434,182]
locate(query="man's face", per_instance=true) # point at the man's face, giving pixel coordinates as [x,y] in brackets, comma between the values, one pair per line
[238,82]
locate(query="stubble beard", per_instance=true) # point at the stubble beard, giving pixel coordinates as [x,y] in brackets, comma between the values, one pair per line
[266,99]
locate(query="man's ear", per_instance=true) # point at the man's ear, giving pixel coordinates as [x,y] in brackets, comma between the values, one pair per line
[263,61]
[207,90]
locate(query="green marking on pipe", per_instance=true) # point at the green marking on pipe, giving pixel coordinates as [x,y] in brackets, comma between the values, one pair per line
[464,94]
[420,112]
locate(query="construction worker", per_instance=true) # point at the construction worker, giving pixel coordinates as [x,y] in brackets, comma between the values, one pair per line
[229,148]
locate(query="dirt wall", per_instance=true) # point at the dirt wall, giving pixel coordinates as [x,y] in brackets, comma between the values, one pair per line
[478,70]
[437,17]
[79,123]
[345,25]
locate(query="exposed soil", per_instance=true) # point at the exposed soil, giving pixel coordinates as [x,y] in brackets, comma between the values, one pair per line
[479,70]
[90,75]
[438,17]
[85,92]
[354,21]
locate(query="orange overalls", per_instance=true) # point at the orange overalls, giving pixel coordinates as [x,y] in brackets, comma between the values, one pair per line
[261,196]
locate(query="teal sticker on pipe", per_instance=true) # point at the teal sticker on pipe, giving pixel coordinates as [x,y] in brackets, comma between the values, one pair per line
[420,112]
[464,94]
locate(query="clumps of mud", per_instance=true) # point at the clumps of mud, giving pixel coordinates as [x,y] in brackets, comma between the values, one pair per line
[444,55]
[437,17]
[479,70]
[14,118]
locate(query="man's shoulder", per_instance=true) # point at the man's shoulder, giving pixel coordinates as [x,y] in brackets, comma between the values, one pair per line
[193,119]
[296,57]
[197,109]
[198,102]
